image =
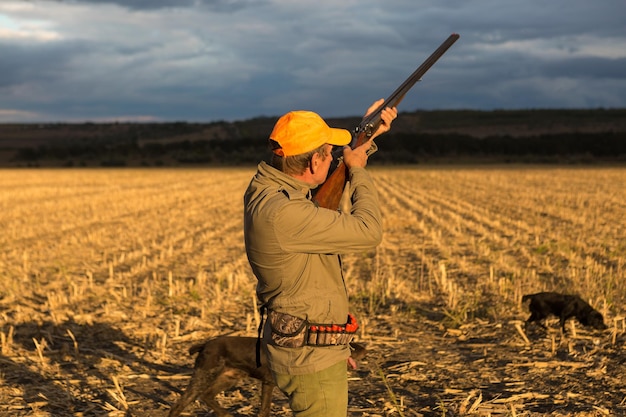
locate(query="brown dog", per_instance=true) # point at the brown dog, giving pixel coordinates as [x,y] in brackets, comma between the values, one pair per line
[223,361]
[563,306]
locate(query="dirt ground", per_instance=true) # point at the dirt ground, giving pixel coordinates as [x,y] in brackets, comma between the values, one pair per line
[108,277]
[415,367]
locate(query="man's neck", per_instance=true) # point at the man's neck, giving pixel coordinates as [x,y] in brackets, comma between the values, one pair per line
[307,177]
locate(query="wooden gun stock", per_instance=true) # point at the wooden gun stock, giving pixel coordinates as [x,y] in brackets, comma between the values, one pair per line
[329,194]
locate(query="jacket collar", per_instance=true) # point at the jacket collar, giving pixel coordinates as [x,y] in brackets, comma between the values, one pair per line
[284,181]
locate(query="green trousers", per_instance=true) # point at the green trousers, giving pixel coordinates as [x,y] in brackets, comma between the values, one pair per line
[322,394]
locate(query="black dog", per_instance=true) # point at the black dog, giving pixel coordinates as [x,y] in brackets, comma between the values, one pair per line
[223,361]
[563,306]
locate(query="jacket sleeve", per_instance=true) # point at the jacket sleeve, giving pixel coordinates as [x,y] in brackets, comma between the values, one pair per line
[303,227]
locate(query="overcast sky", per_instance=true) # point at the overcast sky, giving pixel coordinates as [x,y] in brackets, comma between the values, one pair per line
[209,60]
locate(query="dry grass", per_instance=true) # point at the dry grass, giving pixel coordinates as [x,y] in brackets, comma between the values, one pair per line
[108,276]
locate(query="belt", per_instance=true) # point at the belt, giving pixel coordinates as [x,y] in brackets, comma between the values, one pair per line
[292,331]
[332,334]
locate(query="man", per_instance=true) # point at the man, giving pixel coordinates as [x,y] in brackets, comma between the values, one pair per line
[293,247]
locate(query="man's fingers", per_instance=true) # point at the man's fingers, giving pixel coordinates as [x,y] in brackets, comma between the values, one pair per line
[374,106]
[364,146]
[356,157]
[388,115]
[367,145]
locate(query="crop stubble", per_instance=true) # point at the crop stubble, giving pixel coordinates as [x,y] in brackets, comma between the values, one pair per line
[108,276]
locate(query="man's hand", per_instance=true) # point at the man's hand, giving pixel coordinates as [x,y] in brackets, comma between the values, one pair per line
[356,157]
[387,115]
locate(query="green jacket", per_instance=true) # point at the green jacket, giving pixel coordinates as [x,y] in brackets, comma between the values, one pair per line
[293,247]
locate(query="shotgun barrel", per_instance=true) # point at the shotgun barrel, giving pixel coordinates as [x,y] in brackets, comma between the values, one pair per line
[329,193]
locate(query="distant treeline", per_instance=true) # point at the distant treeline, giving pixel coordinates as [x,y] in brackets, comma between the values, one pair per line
[197,152]
[553,148]
[534,136]
[393,149]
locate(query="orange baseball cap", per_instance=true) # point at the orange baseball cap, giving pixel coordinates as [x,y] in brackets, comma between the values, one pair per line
[301,131]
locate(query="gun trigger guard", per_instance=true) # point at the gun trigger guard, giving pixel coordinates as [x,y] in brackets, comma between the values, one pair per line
[372,149]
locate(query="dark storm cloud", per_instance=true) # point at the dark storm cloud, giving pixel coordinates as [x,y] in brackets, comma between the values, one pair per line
[211,60]
[216,5]
[587,67]
[22,63]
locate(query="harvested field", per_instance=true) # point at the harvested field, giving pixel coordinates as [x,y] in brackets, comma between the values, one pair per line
[109,276]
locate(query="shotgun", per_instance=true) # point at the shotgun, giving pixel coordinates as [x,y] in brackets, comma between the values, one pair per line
[329,193]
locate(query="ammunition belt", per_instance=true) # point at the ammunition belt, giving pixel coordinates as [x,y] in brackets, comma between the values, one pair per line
[332,334]
[291,331]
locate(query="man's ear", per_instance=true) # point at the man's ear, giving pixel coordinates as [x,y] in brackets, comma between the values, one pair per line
[314,162]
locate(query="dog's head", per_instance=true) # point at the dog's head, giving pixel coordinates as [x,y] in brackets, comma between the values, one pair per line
[357,352]
[595,320]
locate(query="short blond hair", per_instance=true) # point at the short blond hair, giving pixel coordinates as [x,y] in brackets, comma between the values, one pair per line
[295,164]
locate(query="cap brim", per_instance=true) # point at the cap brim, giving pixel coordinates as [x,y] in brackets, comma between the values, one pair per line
[339,137]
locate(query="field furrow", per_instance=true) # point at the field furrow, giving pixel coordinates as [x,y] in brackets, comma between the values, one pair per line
[108,276]
[469,241]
